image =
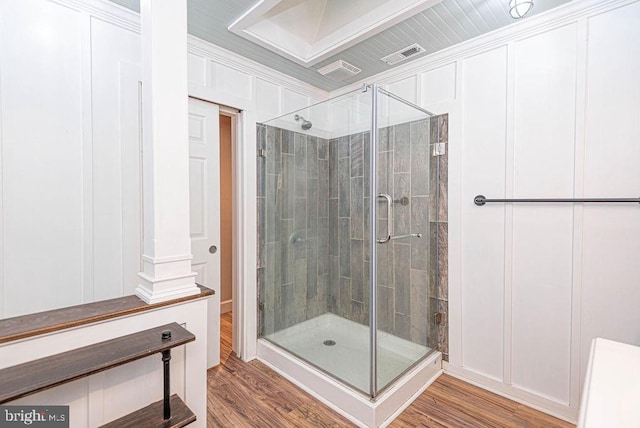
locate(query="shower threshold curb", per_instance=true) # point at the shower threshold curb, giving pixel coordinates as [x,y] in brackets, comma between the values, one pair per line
[349,403]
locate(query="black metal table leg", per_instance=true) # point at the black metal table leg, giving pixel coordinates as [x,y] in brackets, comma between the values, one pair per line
[166,356]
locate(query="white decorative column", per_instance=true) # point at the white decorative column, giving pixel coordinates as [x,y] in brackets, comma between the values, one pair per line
[167,246]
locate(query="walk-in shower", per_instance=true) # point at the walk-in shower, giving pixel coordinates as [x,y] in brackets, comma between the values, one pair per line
[354,298]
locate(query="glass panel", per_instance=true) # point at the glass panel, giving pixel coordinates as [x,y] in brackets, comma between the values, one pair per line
[313,201]
[406,283]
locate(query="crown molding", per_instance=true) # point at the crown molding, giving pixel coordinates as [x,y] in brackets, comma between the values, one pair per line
[107,11]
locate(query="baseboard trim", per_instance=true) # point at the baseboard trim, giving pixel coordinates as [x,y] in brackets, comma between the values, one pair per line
[226,306]
[557,410]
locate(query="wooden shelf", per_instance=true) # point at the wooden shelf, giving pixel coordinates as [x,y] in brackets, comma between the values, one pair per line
[73,316]
[34,376]
[151,416]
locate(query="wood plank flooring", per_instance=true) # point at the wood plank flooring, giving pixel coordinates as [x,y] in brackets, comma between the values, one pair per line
[252,395]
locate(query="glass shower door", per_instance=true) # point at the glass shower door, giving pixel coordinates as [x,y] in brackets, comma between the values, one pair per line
[405,272]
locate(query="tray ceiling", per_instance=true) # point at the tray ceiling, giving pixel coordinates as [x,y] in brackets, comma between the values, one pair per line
[442,24]
[309,31]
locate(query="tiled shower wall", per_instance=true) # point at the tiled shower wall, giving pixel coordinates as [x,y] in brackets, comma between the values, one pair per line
[405,287]
[438,224]
[349,227]
[293,180]
[314,247]
[404,264]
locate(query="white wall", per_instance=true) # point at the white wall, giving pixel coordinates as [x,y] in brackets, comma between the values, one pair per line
[69,211]
[40,104]
[547,107]
[238,82]
[610,252]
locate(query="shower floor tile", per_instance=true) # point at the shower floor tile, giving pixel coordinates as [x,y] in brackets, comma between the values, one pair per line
[346,355]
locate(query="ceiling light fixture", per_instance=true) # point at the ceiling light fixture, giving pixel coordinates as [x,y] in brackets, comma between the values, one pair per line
[519,8]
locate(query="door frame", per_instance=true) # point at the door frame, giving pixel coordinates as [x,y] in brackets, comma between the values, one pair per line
[234,114]
[244,154]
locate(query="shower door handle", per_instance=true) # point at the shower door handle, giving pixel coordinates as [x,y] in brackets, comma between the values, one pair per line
[389,201]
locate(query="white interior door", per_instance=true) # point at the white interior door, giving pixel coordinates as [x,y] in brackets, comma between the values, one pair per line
[204,193]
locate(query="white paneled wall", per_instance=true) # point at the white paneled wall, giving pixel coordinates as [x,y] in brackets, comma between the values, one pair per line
[483,85]
[42,144]
[439,85]
[69,167]
[406,88]
[544,75]
[235,81]
[270,96]
[547,107]
[114,169]
[611,250]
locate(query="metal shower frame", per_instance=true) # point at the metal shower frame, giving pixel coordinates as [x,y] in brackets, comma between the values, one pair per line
[373,241]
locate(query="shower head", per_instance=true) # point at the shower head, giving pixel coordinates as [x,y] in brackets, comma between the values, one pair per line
[306,125]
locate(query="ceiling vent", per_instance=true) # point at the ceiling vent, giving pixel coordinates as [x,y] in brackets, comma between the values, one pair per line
[339,70]
[402,54]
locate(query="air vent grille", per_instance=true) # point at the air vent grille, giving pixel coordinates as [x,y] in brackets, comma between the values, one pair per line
[411,51]
[403,54]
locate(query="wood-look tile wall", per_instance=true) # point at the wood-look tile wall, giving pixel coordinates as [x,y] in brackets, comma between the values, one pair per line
[407,283]
[349,227]
[439,133]
[293,180]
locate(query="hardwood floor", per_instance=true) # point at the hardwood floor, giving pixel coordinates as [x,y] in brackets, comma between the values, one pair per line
[252,395]
[450,402]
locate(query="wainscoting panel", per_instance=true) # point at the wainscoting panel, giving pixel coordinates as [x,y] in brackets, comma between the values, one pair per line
[42,156]
[484,151]
[543,166]
[611,250]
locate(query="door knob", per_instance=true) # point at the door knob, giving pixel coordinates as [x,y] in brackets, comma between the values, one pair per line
[213,249]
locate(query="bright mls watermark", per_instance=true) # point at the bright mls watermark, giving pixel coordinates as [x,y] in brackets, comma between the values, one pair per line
[34,416]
